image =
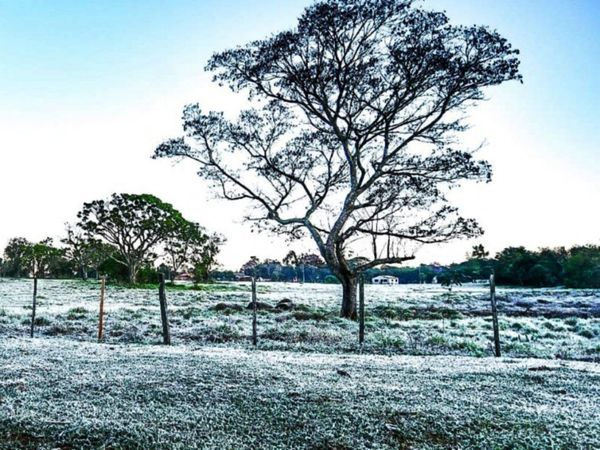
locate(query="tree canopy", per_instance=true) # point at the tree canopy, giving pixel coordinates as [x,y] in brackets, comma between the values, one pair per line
[134,224]
[352,137]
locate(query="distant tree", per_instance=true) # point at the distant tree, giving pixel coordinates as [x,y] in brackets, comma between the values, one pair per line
[40,256]
[311,259]
[249,267]
[204,258]
[352,143]
[582,267]
[450,277]
[224,275]
[269,266]
[513,265]
[182,244]
[291,259]
[85,252]
[548,269]
[15,264]
[134,224]
[479,252]
[301,262]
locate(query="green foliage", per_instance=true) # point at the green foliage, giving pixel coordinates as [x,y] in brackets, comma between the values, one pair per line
[134,224]
[479,252]
[582,267]
[451,277]
[331,279]
[147,275]
[85,253]
[521,267]
[23,258]
[14,263]
[204,257]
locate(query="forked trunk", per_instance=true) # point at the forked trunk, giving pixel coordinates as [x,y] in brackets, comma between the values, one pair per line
[349,285]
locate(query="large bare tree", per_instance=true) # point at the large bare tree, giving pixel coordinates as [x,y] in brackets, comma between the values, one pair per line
[351,133]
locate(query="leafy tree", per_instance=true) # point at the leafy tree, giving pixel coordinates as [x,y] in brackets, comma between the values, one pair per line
[15,264]
[302,262]
[182,244]
[479,252]
[85,252]
[204,258]
[134,224]
[350,140]
[249,267]
[549,268]
[451,276]
[513,265]
[291,259]
[40,256]
[582,267]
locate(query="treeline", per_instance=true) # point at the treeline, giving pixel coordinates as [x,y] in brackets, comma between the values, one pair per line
[132,238]
[578,267]
[129,238]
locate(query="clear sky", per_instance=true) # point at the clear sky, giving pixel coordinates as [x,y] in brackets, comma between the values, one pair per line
[89,88]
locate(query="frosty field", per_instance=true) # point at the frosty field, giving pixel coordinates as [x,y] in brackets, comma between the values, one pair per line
[424,379]
[71,394]
[406,319]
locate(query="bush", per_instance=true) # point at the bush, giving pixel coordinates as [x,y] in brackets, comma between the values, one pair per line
[331,279]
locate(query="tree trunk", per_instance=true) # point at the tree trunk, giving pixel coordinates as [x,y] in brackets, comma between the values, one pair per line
[349,284]
[132,273]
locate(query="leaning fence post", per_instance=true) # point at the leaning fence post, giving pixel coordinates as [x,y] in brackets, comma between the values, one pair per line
[35,282]
[163,309]
[361,311]
[254,308]
[101,314]
[495,316]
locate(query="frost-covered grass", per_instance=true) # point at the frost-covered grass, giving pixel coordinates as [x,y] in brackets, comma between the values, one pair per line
[413,319]
[67,394]
[211,390]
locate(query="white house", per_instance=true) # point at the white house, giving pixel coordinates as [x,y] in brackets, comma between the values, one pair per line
[385,279]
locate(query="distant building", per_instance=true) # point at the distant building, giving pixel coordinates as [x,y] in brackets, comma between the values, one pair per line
[184,277]
[385,279]
[240,276]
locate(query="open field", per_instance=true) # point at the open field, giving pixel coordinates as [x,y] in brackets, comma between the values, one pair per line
[67,394]
[406,319]
[422,381]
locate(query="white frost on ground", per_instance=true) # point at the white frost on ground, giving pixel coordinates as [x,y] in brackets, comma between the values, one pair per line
[58,393]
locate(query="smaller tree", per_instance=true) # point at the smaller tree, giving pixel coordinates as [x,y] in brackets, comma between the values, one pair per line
[14,264]
[249,267]
[183,244]
[134,224]
[582,267]
[479,252]
[291,259]
[301,262]
[40,256]
[450,277]
[204,259]
[85,252]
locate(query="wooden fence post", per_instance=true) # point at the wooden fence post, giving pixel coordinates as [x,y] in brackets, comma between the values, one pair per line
[254,309]
[361,311]
[495,316]
[35,283]
[163,309]
[101,314]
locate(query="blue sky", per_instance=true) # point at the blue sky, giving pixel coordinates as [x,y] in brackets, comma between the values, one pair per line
[88,88]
